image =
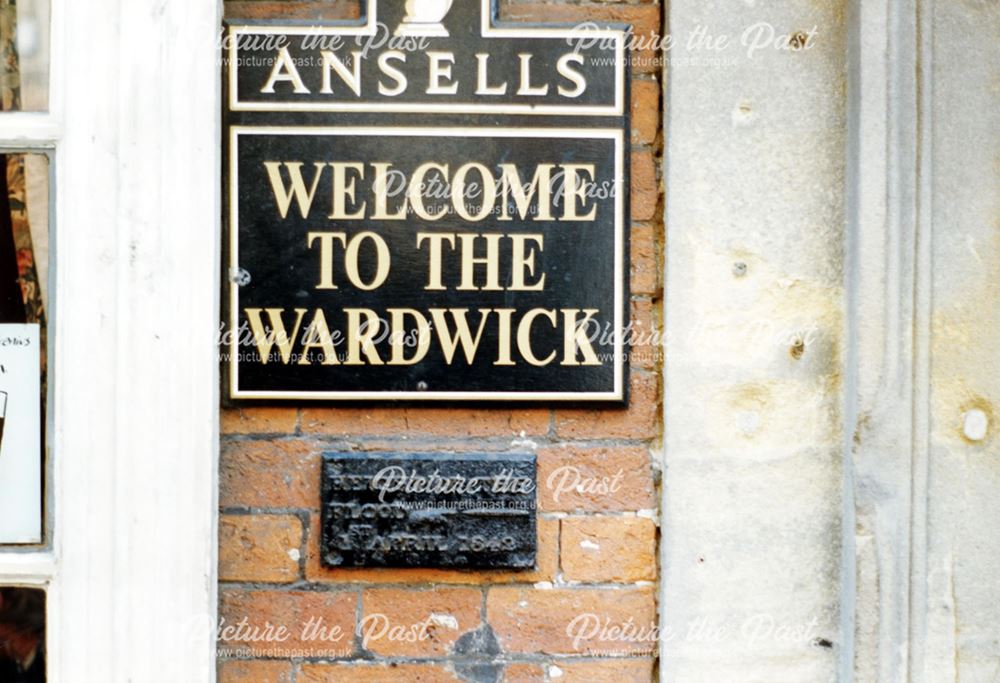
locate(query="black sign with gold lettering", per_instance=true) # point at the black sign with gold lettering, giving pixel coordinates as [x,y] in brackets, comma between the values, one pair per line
[426,204]
[428,510]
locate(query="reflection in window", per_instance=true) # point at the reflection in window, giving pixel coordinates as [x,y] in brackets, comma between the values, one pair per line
[24,50]
[24,217]
[22,635]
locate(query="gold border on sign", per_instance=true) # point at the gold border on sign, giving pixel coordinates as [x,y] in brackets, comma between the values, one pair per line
[616,135]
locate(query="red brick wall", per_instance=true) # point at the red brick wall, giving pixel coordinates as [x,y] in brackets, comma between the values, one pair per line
[595,554]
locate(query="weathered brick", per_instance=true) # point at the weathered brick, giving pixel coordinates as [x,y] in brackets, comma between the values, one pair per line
[645,259]
[595,479]
[426,442]
[645,20]
[645,337]
[454,422]
[255,672]
[259,420]
[581,621]
[275,474]
[639,421]
[399,622]
[329,11]
[261,548]
[462,422]
[312,623]
[645,111]
[645,189]
[607,671]
[608,549]
[381,421]
[547,565]
[375,673]
[524,673]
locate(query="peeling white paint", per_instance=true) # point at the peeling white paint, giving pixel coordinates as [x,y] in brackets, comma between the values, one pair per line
[444,620]
[523,442]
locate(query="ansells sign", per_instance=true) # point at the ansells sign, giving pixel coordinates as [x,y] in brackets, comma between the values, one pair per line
[427,204]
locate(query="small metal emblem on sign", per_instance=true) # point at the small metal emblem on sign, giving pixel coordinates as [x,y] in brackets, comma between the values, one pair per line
[429,510]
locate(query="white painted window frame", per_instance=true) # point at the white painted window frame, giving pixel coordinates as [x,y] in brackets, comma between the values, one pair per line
[133,133]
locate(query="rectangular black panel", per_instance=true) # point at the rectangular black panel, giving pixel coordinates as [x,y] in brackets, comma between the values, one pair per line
[429,510]
[428,204]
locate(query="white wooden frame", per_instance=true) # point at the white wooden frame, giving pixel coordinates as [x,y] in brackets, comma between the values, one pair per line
[133,125]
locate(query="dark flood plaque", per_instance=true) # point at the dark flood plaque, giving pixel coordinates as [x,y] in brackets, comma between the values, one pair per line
[429,510]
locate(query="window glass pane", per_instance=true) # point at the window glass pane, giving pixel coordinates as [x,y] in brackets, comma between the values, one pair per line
[24,268]
[22,635]
[24,51]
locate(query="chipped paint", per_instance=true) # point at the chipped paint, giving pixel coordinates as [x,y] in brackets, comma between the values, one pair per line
[444,620]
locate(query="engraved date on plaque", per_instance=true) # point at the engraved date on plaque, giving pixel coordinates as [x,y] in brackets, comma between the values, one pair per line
[429,510]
